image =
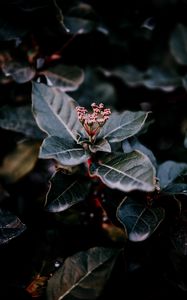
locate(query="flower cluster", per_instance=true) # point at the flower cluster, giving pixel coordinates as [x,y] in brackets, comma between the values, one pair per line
[93,122]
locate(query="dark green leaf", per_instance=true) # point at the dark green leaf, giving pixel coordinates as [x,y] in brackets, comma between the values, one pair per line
[139,220]
[59,16]
[131,144]
[128,73]
[67,152]
[176,188]
[161,78]
[121,126]
[20,72]
[100,145]
[68,78]
[82,275]
[65,191]
[79,26]
[153,78]
[169,171]
[20,161]
[81,19]
[10,226]
[55,112]
[20,119]
[95,86]
[126,172]
[178,44]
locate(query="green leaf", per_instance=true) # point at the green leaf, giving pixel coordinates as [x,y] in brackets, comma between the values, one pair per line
[20,72]
[67,152]
[20,161]
[65,191]
[178,44]
[101,145]
[95,86]
[83,275]
[127,73]
[126,172]
[55,112]
[121,126]
[10,226]
[175,189]
[20,119]
[133,143]
[80,26]
[161,78]
[170,171]
[155,77]
[139,220]
[81,19]
[68,78]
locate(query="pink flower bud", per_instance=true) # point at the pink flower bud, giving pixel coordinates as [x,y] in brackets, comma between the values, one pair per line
[92,122]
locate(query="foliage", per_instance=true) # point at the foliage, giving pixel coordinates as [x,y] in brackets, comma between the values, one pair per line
[93,170]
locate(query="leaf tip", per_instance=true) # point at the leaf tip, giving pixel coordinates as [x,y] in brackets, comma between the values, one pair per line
[137,237]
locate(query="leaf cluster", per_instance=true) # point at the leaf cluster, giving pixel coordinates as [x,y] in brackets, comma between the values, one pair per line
[89,219]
